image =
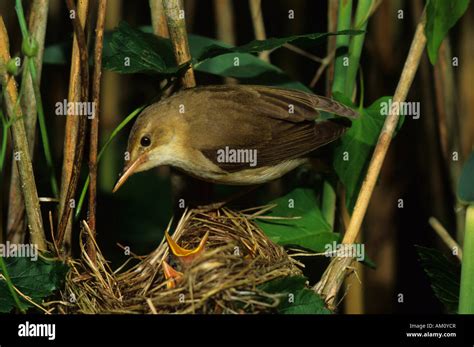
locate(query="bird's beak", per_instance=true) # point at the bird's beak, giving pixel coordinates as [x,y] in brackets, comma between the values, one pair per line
[129,170]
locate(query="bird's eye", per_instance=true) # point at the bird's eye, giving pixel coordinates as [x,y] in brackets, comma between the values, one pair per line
[145,141]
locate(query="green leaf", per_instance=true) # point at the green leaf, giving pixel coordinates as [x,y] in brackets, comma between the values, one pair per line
[257,46]
[251,69]
[306,301]
[444,275]
[302,300]
[310,230]
[36,279]
[441,17]
[466,181]
[133,51]
[147,53]
[353,152]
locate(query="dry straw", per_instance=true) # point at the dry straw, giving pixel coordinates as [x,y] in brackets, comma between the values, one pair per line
[225,278]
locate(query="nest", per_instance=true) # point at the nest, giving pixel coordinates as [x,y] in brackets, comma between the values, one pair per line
[225,278]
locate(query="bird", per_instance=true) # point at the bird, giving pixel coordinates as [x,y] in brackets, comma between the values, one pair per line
[233,134]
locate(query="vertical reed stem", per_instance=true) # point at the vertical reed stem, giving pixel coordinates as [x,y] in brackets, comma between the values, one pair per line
[20,146]
[94,135]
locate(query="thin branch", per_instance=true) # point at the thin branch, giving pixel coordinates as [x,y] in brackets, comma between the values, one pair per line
[391,122]
[94,135]
[338,269]
[79,81]
[20,146]
[445,237]
[177,28]
[259,26]
[303,53]
[327,62]
[158,18]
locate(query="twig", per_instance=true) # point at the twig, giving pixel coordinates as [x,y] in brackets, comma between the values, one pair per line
[177,29]
[158,18]
[303,53]
[73,148]
[445,237]
[16,209]
[326,62]
[20,145]
[259,26]
[332,278]
[404,84]
[94,135]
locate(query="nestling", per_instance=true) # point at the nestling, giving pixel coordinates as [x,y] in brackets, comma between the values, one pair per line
[233,134]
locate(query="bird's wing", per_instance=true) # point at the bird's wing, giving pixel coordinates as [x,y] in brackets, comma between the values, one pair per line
[306,105]
[258,118]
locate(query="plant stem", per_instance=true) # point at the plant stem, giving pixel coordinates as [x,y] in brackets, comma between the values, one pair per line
[449,128]
[333,6]
[177,29]
[342,42]
[3,146]
[466,295]
[30,107]
[259,26]
[158,18]
[20,145]
[328,203]
[38,20]
[94,135]
[445,237]
[224,17]
[338,269]
[356,44]
[75,124]
[391,122]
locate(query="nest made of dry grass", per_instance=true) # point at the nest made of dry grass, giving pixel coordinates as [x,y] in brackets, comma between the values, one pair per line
[224,279]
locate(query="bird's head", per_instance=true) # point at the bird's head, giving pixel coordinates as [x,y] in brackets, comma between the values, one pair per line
[149,141]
